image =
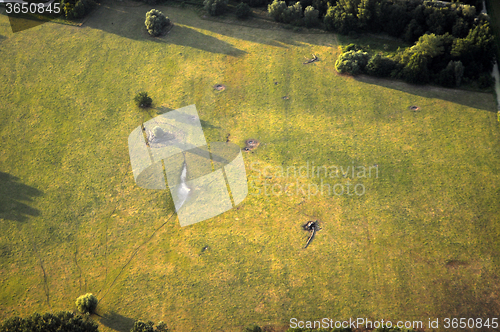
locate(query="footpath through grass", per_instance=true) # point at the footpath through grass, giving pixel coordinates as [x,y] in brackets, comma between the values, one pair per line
[420,242]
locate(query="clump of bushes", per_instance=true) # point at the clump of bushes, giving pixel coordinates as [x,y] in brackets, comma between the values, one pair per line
[452,75]
[140,326]
[276,10]
[215,7]
[352,62]
[75,9]
[485,81]
[59,321]
[243,11]
[156,22]
[280,12]
[86,303]
[143,100]
[311,16]
[380,66]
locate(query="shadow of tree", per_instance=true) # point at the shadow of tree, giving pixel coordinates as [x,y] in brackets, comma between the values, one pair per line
[117,322]
[13,196]
[467,98]
[205,124]
[128,22]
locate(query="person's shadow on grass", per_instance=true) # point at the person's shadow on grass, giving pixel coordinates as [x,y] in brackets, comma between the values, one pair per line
[15,197]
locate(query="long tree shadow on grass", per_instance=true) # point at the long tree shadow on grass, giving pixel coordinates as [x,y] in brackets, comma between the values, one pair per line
[462,97]
[128,22]
[14,197]
[117,322]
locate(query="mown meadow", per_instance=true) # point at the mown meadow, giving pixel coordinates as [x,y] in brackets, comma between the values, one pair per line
[422,241]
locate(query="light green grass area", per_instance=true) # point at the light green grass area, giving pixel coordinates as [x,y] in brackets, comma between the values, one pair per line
[422,242]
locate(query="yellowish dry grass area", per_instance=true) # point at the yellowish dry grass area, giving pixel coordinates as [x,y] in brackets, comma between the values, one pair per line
[67,111]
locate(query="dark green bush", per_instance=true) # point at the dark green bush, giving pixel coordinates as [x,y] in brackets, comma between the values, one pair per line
[254,328]
[311,16]
[77,8]
[452,75]
[243,11]
[156,22]
[352,62]
[143,100]
[277,9]
[380,66]
[485,81]
[140,326]
[58,322]
[351,47]
[215,7]
[416,70]
[295,14]
[86,303]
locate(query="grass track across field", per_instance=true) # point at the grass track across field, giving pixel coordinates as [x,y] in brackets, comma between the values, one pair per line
[422,242]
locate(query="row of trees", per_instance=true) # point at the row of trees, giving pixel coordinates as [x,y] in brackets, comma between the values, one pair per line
[441,59]
[452,43]
[407,19]
[403,19]
[294,14]
[66,321]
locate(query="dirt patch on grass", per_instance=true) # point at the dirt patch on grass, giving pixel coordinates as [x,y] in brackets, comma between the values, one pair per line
[219,87]
[454,264]
[251,144]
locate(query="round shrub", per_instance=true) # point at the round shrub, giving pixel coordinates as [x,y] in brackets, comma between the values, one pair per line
[156,22]
[295,13]
[352,62]
[243,11]
[86,303]
[311,16]
[143,100]
[277,9]
[215,7]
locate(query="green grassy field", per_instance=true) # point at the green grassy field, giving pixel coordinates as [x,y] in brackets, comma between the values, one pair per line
[422,242]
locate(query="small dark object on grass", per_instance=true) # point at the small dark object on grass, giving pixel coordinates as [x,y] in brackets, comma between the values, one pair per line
[314,58]
[276,83]
[205,248]
[414,108]
[143,100]
[246,149]
[313,227]
[251,143]
[227,138]
[219,87]
[285,97]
